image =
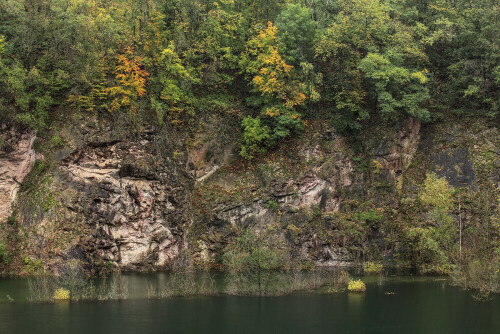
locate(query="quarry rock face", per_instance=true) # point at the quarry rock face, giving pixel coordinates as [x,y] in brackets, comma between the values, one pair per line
[130,201]
[140,202]
[16,159]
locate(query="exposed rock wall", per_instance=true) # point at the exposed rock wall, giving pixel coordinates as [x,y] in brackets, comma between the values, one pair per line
[138,202]
[106,200]
[303,186]
[16,159]
[135,213]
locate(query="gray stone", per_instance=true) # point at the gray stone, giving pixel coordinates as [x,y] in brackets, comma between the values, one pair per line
[456,167]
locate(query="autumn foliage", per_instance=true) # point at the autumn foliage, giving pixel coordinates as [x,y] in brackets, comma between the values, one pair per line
[131,81]
[273,78]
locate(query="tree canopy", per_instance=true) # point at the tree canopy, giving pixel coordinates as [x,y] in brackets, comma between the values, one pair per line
[278,62]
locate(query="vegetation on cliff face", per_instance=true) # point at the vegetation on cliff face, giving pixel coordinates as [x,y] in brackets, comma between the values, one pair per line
[282,77]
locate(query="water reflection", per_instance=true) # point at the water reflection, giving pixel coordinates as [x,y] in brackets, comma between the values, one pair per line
[417,306]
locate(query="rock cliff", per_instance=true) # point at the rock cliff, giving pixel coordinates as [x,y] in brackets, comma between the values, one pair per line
[140,201]
[17,157]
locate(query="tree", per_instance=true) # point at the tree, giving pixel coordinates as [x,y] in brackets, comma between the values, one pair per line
[372,60]
[254,139]
[438,193]
[171,86]
[131,81]
[433,244]
[280,92]
[253,259]
[120,86]
[216,43]
[296,32]
[53,52]
[399,90]
[461,38]
[270,75]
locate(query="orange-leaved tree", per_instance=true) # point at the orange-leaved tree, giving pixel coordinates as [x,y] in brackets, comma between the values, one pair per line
[131,81]
[120,84]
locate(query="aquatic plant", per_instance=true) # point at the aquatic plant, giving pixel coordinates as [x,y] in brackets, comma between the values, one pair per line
[356,286]
[61,294]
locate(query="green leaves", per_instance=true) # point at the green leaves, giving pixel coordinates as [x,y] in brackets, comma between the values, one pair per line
[348,58]
[374,61]
[280,92]
[399,90]
[254,139]
[173,79]
[296,32]
[437,192]
[5,255]
[433,244]
[254,253]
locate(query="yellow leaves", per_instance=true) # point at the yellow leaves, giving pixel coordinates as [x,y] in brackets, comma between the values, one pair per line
[130,73]
[2,44]
[420,76]
[437,192]
[269,34]
[297,99]
[272,112]
[275,80]
[131,81]
[258,80]
[82,101]
[273,77]
[443,8]
[61,294]
[129,86]
[356,286]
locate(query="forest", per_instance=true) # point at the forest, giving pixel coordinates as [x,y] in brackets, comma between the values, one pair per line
[274,63]
[274,67]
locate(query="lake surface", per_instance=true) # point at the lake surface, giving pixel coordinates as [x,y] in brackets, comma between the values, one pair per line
[394,305]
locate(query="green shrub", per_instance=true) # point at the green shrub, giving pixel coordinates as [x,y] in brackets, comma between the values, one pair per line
[253,260]
[5,256]
[316,210]
[482,275]
[56,140]
[263,133]
[371,215]
[340,282]
[254,138]
[271,205]
[32,266]
[11,220]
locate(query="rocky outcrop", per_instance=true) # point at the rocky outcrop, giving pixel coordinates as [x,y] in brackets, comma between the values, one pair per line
[456,167]
[395,152]
[108,200]
[130,199]
[139,202]
[16,159]
[212,147]
[288,193]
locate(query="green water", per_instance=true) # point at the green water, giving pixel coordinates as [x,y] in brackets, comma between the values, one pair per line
[417,305]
